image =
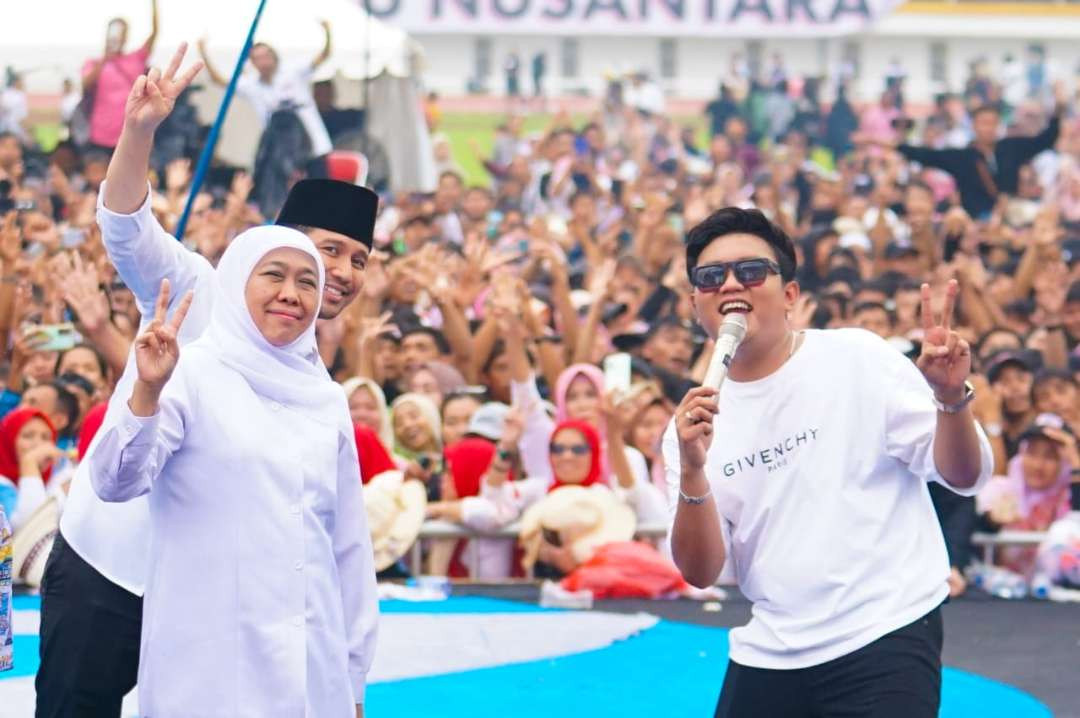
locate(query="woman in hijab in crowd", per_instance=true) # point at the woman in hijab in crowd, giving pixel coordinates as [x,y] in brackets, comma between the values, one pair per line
[1035,492]
[262,594]
[367,406]
[1068,190]
[371,426]
[577,459]
[27,452]
[435,380]
[418,449]
[579,396]
[417,436]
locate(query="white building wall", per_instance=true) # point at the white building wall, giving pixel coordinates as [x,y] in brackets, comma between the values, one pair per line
[448,62]
[701,62]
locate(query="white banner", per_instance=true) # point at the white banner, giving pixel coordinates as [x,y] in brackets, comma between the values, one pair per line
[658,18]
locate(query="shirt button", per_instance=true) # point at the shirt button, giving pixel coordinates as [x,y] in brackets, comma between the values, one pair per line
[299,565]
[298,621]
[274,406]
[295,508]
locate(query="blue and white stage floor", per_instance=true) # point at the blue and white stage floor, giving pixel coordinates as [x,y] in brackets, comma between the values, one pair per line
[477,656]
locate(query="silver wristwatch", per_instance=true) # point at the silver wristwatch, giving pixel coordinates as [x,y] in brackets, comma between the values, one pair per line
[969,395]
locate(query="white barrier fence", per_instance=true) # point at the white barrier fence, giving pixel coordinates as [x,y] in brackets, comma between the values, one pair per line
[990,542]
[437,529]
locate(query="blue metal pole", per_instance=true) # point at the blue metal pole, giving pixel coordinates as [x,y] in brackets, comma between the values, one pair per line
[211,140]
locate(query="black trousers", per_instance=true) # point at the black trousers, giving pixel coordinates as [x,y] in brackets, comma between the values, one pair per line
[896,676]
[90,630]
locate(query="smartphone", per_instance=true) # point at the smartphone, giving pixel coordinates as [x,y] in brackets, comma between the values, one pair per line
[72,237]
[617,373]
[617,189]
[52,337]
[952,246]
[115,32]
[556,224]
[581,146]
[675,221]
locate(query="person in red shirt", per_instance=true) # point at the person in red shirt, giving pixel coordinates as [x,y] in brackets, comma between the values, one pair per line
[374,458]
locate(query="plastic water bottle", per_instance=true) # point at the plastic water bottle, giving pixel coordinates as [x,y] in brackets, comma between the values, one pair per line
[1001,582]
[1040,586]
[7,639]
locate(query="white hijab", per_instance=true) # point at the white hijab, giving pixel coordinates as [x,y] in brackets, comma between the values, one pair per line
[292,375]
[386,429]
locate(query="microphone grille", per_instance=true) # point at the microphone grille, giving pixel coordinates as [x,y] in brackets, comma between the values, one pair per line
[734,324]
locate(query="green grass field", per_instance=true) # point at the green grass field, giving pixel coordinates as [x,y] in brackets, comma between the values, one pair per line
[466,129]
[463,129]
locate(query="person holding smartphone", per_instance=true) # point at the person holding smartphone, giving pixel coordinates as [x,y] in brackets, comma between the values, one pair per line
[108,80]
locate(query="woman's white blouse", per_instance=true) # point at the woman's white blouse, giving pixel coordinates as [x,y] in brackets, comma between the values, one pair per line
[261,596]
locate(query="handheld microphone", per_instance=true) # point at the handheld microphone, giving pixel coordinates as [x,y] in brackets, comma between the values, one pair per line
[731,334]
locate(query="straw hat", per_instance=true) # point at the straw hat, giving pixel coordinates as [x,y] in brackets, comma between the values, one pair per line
[395,511]
[585,518]
[33,542]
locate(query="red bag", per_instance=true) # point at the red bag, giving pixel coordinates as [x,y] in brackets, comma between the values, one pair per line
[626,569]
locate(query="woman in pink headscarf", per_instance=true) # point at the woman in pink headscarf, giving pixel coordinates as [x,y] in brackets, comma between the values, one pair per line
[579,396]
[1068,189]
[1035,492]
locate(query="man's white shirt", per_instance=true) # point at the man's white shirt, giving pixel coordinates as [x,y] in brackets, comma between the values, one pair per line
[114,538]
[292,85]
[819,475]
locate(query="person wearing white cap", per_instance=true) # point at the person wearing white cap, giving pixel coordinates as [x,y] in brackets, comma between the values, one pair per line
[262,596]
[487,447]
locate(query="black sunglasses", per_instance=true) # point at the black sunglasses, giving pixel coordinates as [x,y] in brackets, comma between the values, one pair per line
[748,272]
[575,449]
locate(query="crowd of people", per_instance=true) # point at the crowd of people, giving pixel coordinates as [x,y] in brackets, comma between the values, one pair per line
[534,332]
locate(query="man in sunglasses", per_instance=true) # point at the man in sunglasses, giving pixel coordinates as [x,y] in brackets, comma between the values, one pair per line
[807,474]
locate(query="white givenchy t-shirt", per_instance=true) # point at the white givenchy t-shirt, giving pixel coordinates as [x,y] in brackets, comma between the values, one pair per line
[819,473]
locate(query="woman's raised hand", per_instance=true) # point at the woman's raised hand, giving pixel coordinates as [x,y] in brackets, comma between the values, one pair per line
[156,348]
[154,94]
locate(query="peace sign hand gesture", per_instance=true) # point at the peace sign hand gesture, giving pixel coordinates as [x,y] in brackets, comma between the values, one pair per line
[945,360]
[156,349]
[154,94]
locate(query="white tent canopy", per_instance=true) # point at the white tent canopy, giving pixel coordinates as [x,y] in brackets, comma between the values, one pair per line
[49,40]
[292,28]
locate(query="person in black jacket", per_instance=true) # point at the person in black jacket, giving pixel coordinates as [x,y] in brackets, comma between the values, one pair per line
[988,166]
[958,521]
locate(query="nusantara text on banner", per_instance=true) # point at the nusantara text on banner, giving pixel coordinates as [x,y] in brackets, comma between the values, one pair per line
[668,18]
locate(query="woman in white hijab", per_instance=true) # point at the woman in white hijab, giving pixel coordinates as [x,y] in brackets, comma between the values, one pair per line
[261,598]
[367,406]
